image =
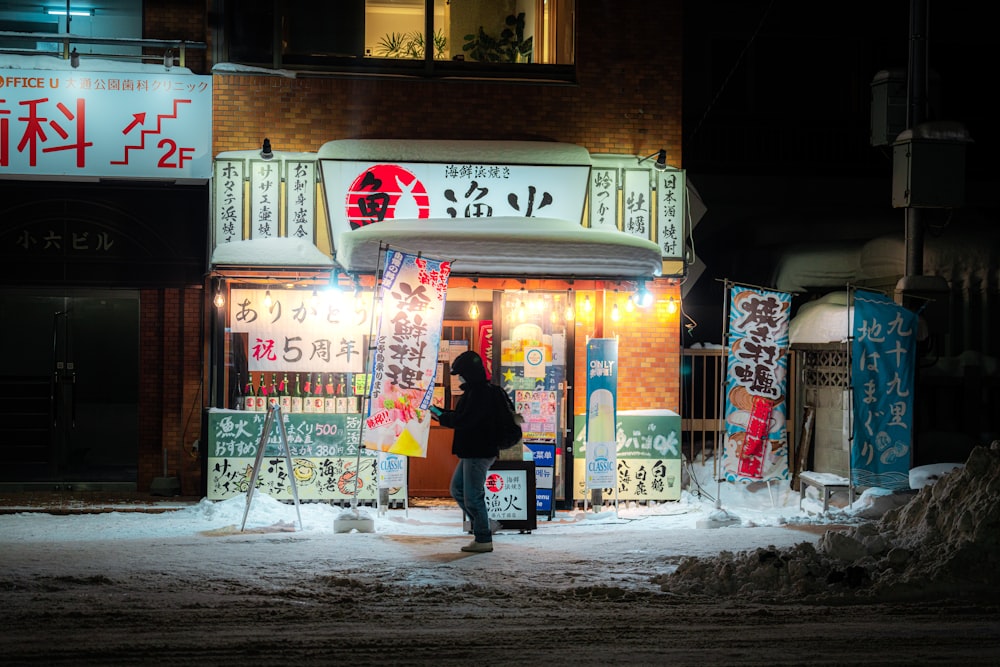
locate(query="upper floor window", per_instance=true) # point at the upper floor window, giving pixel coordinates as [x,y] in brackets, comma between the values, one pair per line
[511,38]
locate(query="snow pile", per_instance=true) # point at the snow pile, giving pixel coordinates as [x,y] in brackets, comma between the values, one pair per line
[945,540]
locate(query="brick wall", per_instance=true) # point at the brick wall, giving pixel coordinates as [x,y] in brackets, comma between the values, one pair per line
[170,400]
[178,19]
[649,349]
[627,99]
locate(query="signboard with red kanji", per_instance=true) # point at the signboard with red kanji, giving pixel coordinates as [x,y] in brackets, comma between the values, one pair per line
[56,123]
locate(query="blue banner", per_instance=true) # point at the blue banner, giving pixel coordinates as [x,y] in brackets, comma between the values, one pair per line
[883,358]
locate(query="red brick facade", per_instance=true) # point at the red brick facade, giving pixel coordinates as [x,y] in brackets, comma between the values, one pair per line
[171,363]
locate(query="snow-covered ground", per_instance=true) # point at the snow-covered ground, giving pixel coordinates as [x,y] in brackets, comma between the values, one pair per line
[754,580]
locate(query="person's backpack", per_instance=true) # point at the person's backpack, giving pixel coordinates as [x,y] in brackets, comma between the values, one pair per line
[508,421]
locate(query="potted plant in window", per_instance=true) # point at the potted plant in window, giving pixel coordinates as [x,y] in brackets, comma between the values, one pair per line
[509,47]
[409,45]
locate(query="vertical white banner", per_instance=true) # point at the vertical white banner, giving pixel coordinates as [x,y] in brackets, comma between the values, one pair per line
[603,208]
[637,214]
[406,351]
[670,205]
[265,199]
[227,189]
[300,200]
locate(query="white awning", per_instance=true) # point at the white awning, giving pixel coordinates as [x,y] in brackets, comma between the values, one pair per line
[508,246]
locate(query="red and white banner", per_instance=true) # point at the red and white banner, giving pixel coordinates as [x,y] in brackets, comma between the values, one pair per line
[756,369]
[406,352]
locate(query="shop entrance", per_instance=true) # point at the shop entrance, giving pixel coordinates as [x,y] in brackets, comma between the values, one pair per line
[69,388]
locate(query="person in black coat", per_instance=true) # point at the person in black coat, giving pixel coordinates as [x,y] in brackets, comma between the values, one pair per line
[475,445]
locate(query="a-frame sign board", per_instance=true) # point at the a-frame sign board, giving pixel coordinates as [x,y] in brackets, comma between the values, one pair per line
[273,414]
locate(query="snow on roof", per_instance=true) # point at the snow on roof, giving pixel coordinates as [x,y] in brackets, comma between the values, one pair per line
[825,320]
[283,252]
[87,64]
[461,151]
[539,246]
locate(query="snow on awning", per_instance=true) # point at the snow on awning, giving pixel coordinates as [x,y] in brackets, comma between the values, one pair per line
[515,246]
[267,253]
[456,151]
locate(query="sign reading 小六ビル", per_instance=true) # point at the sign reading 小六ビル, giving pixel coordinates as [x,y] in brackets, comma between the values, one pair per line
[105,124]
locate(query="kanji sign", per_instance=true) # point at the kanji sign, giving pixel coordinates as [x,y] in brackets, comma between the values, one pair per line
[105,124]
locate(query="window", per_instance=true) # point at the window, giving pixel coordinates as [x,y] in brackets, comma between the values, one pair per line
[510,38]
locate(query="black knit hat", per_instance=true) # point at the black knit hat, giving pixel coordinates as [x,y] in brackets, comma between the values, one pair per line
[467,364]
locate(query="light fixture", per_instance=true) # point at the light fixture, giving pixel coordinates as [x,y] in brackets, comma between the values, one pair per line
[265,150]
[615,314]
[630,304]
[569,314]
[643,297]
[661,159]
[168,59]
[586,304]
[333,291]
[219,300]
[72,12]
[474,308]
[74,58]
[267,299]
[671,306]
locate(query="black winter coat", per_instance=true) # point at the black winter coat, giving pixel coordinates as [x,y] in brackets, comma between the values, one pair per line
[474,414]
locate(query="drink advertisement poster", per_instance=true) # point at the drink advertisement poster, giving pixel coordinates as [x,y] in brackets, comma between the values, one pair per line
[412,291]
[602,394]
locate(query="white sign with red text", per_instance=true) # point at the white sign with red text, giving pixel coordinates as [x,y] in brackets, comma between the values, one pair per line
[105,124]
[363,193]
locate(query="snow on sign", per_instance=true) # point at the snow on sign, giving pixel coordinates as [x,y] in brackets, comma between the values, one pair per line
[105,124]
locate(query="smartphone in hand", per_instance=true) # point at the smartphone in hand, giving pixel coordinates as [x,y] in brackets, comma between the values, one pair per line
[435,412]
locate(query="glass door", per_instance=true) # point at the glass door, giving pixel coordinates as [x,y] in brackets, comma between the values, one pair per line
[69,387]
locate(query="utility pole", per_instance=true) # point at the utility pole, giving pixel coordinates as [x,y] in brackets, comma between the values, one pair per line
[916,113]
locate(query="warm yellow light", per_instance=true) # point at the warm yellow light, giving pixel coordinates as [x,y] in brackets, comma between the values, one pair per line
[267,299]
[569,314]
[615,315]
[586,304]
[474,311]
[671,306]
[219,300]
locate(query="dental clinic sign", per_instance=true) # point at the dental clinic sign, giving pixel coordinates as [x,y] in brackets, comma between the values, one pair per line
[117,124]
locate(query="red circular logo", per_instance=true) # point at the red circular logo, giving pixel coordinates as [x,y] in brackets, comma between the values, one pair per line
[386,192]
[494,483]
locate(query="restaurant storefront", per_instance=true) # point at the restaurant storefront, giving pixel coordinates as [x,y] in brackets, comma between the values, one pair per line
[299,247]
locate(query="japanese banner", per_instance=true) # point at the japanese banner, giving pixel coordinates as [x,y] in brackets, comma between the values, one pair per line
[602,394]
[756,369]
[105,124]
[883,357]
[406,351]
[294,329]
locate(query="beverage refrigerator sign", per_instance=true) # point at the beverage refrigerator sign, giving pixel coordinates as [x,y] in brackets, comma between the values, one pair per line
[602,395]
[105,124]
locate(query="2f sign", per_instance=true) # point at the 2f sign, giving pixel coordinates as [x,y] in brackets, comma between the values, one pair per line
[106,124]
